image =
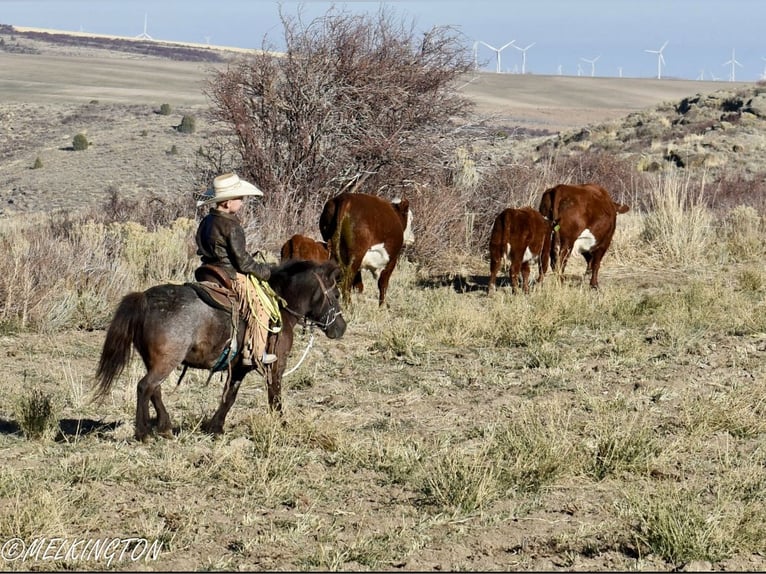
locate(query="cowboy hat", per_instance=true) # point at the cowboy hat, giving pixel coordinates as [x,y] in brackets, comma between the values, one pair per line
[228,186]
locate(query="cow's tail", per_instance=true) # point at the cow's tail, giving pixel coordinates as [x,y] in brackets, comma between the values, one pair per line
[127,323]
[549,207]
[497,235]
[341,246]
[328,219]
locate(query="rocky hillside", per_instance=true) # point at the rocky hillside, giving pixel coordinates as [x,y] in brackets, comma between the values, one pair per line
[722,132]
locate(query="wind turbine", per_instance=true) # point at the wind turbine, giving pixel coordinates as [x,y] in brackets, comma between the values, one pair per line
[660,59]
[592,64]
[497,50]
[143,35]
[733,63]
[475,55]
[524,57]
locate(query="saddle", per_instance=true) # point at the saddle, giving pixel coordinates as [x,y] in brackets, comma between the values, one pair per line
[213,274]
[214,287]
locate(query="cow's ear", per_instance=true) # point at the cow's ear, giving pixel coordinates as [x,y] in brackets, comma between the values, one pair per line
[404,204]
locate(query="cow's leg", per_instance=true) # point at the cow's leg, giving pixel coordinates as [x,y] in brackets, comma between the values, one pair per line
[357,285]
[513,274]
[352,279]
[588,256]
[498,252]
[561,264]
[525,276]
[385,275]
[495,260]
[555,250]
[595,265]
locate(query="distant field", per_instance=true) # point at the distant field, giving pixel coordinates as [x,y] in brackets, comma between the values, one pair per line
[546,102]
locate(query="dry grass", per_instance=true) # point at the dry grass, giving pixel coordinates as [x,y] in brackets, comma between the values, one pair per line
[565,430]
[617,429]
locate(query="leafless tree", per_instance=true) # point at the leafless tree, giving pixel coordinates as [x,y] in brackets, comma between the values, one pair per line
[356,102]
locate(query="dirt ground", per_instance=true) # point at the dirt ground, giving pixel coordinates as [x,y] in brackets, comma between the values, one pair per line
[47,98]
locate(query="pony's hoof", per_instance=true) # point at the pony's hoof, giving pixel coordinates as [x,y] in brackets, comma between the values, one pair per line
[213,428]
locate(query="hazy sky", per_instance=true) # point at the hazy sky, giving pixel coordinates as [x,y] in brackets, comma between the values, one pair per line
[567,34]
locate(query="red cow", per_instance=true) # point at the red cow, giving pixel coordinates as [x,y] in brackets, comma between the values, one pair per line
[520,236]
[584,219]
[302,247]
[366,232]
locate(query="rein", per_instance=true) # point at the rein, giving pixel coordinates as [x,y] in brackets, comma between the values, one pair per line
[328,320]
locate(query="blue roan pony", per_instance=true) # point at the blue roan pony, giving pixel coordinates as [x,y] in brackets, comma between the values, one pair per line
[170,325]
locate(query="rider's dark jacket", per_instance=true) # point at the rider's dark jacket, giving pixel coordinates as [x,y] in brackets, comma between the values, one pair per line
[221,242]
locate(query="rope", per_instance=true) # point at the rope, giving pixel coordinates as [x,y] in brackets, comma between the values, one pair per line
[305,352]
[270,301]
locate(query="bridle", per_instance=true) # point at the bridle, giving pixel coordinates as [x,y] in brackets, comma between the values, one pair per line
[328,318]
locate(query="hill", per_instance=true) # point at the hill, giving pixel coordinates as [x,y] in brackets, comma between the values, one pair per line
[56,85]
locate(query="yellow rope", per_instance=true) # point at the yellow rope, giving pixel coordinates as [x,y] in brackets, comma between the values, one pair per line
[270,301]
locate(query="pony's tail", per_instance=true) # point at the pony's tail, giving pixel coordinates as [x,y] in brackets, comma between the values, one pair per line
[118,345]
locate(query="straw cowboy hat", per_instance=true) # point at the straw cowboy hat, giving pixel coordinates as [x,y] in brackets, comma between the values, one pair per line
[228,186]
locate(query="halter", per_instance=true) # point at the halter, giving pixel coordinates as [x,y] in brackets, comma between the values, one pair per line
[328,320]
[329,317]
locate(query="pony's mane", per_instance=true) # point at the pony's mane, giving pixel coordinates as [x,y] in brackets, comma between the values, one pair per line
[294,266]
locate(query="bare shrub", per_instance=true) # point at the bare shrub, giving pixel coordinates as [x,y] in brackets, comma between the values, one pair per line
[442,225]
[511,185]
[356,102]
[617,175]
[153,213]
[734,188]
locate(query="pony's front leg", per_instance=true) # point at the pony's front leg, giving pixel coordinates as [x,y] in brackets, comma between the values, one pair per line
[274,385]
[230,390]
[280,345]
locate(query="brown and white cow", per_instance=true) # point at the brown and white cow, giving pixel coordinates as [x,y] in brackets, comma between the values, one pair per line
[584,218]
[366,232]
[303,247]
[519,236]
